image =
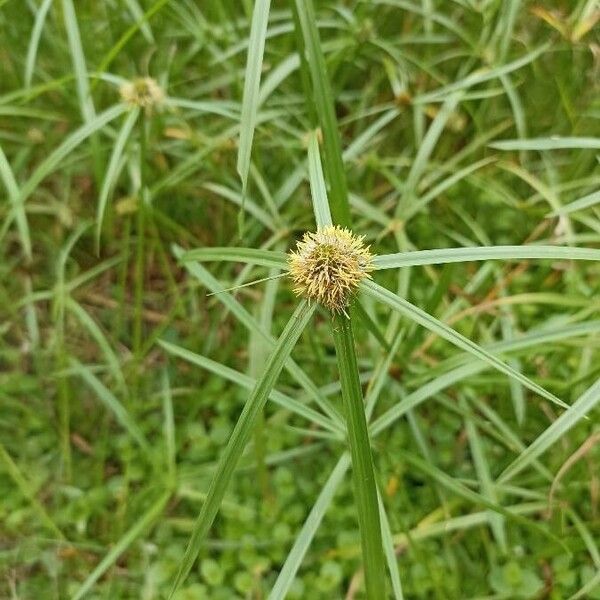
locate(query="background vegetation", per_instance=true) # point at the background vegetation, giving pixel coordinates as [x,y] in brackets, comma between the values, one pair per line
[121,380]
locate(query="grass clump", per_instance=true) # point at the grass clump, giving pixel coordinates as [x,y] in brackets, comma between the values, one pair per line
[404,405]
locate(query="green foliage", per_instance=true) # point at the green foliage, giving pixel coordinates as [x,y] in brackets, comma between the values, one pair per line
[442,443]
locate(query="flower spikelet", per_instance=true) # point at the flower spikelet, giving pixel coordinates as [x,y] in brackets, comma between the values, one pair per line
[328,265]
[143,92]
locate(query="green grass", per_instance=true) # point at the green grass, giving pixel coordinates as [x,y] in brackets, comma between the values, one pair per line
[177,423]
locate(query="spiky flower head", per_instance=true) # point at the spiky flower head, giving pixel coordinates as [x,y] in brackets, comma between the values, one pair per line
[328,265]
[143,92]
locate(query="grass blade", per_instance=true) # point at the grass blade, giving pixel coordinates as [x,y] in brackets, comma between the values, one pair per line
[317,182]
[121,546]
[240,435]
[112,170]
[250,102]
[424,319]
[77,56]
[464,492]
[248,383]
[251,256]
[77,137]
[454,255]
[15,474]
[12,189]
[389,551]
[307,533]
[34,40]
[322,98]
[250,323]
[580,204]
[112,404]
[583,405]
[550,143]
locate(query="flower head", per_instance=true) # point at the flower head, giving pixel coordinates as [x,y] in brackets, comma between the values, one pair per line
[143,92]
[328,265]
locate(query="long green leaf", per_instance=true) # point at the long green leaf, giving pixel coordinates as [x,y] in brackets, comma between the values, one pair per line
[54,159]
[246,319]
[551,143]
[453,255]
[580,204]
[309,529]
[111,403]
[112,170]
[430,389]
[317,182]
[322,97]
[251,256]
[464,492]
[248,383]
[78,58]
[414,313]
[580,408]
[12,188]
[27,491]
[34,40]
[390,553]
[250,102]
[121,546]
[240,435]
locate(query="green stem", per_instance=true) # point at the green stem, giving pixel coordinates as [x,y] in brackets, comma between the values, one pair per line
[139,247]
[365,490]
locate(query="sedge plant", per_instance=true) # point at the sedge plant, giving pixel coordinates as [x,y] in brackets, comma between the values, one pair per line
[393,120]
[329,268]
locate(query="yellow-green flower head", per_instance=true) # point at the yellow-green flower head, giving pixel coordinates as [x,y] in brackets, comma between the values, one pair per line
[143,92]
[328,265]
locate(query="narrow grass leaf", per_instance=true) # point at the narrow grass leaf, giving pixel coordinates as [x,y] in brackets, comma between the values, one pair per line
[453,255]
[94,330]
[481,76]
[390,552]
[248,383]
[127,35]
[138,14]
[426,147]
[549,143]
[482,469]
[15,474]
[169,428]
[12,189]
[250,102]
[414,313]
[317,182]
[145,521]
[111,403]
[78,58]
[322,98]
[580,204]
[34,40]
[580,408]
[246,319]
[240,435]
[251,256]
[112,170]
[462,491]
[304,538]
[53,160]
[533,339]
